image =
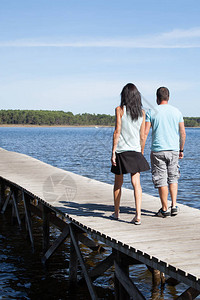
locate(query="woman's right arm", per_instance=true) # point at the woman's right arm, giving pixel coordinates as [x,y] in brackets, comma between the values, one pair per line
[142,133]
[116,134]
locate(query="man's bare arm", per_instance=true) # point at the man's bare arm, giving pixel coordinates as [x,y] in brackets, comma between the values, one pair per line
[182,138]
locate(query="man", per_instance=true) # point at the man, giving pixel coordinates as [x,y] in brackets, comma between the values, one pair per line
[168,139]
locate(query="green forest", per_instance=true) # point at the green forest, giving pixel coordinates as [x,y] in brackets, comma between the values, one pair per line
[48,117]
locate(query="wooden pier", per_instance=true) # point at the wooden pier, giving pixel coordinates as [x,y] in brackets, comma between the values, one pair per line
[79,206]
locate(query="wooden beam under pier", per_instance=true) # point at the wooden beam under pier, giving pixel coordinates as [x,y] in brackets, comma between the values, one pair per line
[6,202]
[102,267]
[82,263]
[189,294]
[2,193]
[27,208]
[46,223]
[130,288]
[73,262]
[56,244]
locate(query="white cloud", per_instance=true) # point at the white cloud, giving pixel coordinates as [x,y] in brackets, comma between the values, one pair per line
[177,38]
[177,33]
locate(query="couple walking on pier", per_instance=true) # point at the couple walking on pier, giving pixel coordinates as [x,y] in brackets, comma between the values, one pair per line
[132,127]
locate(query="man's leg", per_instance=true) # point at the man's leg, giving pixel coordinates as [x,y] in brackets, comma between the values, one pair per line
[163,192]
[117,193]
[159,176]
[173,188]
[173,175]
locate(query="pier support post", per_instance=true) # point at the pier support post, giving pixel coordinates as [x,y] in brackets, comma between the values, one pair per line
[120,267]
[82,263]
[45,216]
[73,262]
[13,194]
[124,287]
[15,211]
[2,194]
[157,276]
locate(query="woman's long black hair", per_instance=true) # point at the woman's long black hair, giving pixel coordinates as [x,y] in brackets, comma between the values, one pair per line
[131,98]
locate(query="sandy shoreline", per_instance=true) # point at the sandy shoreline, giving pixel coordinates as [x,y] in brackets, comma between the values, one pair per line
[62,126]
[57,126]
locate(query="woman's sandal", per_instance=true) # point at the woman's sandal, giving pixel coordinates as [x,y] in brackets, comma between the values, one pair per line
[113,217]
[136,221]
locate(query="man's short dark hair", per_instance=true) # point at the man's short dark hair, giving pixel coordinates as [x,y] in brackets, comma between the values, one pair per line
[162,94]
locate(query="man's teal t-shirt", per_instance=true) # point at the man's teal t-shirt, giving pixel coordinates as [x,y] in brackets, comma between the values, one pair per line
[165,121]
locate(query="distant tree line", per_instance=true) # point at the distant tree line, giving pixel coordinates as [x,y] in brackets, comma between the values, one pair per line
[192,122]
[48,117]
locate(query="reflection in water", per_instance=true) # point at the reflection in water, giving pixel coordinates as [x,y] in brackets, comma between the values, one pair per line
[85,151]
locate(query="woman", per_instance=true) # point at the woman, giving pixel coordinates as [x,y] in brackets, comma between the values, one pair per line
[128,147]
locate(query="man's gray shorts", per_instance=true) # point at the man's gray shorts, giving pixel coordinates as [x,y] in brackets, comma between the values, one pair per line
[164,167]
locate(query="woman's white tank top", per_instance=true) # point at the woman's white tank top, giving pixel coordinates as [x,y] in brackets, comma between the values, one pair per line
[129,139]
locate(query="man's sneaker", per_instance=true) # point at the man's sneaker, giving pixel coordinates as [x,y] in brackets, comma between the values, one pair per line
[163,214]
[174,210]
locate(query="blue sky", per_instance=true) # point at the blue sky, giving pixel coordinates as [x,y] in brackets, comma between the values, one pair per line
[76,55]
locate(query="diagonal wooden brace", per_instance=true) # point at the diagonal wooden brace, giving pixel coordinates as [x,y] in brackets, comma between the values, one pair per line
[56,244]
[189,294]
[128,285]
[14,198]
[83,267]
[102,267]
[6,202]
[27,209]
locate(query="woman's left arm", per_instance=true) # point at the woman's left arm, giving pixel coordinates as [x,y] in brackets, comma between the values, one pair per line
[116,134]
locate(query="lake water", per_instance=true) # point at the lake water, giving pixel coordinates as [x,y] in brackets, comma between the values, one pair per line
[85,151]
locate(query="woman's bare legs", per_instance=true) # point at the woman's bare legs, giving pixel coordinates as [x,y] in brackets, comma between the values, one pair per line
[117,193]
[135,180]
